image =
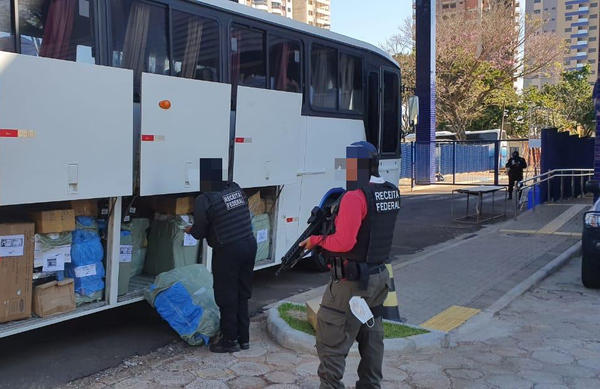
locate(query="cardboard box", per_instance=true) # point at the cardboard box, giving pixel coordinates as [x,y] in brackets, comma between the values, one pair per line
[85,207]
[256,204]
[174,205]
[54,297]
[60,220]
[16,271]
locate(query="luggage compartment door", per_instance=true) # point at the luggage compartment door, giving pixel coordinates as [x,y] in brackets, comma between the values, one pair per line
[66,130]
[267,135]
[182,121]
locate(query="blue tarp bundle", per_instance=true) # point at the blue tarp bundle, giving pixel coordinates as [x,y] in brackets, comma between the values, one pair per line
[86,261]
[184,298]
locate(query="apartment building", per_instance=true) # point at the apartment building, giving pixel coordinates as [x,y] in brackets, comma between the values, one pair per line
[277,7]
[576,21]
[473,6]
[313,12]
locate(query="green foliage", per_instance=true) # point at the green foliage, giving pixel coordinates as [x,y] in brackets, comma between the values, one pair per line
[567,105]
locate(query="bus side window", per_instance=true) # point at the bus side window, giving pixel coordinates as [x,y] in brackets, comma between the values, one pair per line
[139,38]
[351,83]
[248,63]
[323,82]
[7,39]
[285,64]
[373,109]
[195,47]
[57,29]
[391,114]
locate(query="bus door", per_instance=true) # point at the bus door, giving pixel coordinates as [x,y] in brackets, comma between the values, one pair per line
[383,120]
[183,120]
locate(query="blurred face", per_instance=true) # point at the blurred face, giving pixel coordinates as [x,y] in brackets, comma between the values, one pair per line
[211,175]
[357,173]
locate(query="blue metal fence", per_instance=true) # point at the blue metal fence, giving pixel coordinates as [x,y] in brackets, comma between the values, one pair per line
[450,157]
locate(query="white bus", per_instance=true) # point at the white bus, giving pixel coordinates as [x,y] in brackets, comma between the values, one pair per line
[117,100]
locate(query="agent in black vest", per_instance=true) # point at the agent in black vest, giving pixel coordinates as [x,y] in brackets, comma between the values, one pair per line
[223,218]
[357,250]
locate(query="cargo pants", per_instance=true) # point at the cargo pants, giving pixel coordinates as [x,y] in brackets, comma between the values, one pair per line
[338,328]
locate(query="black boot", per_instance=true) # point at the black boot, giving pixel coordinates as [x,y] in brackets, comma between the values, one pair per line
[244,345]
[225,346]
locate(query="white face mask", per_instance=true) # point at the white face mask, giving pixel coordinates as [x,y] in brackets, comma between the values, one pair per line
[361,310]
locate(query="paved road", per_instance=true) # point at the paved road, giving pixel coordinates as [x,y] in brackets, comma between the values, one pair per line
[82,347]
[547,338]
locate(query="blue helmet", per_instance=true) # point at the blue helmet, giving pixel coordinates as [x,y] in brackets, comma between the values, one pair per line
[365,150]
[362,149]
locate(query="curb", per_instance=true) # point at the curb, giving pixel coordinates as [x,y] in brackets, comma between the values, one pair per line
[296,340]
[482,319]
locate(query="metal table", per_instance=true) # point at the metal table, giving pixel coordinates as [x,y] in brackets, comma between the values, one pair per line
[479,215]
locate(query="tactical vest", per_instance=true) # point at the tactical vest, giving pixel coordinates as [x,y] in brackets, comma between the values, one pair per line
[229,219]
[374,239]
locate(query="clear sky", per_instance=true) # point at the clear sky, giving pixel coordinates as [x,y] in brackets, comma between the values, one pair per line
[369,20]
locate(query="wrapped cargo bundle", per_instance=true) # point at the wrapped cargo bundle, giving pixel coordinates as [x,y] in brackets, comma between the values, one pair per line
[169,247]
[86,266]
[125,258]
[261,226]
[52,251]
[139,242]
[184,297]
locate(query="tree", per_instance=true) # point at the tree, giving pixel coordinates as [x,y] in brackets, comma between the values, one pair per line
[478,61]
[567,104]
[477,58]
[504,109]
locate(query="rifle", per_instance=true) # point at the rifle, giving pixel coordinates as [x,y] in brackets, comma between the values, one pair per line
[316,221]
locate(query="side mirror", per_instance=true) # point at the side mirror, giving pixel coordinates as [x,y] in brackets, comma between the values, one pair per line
[593,186]
[413,110]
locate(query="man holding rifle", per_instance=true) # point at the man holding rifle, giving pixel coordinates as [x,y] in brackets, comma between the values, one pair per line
[356,250]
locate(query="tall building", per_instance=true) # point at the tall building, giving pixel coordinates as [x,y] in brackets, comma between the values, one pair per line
[576,21]
[313,12]
[276,7]
[473,6]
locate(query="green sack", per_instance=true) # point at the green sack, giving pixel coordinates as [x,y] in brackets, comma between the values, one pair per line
[261,226]
[139,241]
[166,250]
[125,262]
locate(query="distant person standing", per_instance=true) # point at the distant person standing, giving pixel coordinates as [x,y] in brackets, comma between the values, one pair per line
[515,167]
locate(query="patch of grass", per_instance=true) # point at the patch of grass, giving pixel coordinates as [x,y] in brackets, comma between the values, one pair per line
[295,316]
[393,331]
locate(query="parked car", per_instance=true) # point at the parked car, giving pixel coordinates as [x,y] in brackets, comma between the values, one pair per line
[590,242]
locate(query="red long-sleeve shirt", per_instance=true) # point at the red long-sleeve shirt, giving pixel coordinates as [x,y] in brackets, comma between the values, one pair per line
[353,209]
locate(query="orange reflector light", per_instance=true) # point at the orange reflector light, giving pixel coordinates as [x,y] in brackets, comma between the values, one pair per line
[165,104]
